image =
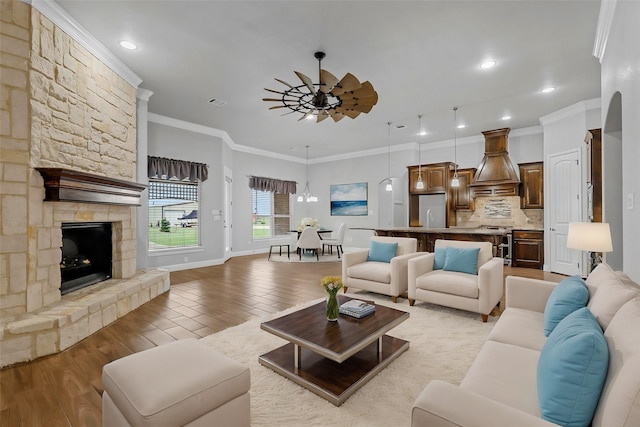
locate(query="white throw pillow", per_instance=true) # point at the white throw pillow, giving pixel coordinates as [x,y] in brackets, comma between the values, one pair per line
[609,297]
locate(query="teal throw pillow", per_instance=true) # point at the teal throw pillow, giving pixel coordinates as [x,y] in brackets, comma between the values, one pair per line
[572,369]
[461,260]
[382,252]
[568,296]
[438,258]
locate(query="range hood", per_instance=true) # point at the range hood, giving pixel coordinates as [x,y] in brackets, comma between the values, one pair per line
[495,175]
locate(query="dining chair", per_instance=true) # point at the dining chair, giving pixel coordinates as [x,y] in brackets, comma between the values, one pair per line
[309,240]
[337,241]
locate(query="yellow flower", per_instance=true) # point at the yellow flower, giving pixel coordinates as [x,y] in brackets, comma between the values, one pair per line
[332,284]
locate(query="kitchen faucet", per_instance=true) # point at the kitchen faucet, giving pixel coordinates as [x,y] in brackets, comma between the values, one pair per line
[428,218]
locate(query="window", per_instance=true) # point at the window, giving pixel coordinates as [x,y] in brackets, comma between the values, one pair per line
[271,216]
[173,214]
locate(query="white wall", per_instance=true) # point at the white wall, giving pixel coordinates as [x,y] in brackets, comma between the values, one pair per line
[565,130]
[621,73]
[176,143]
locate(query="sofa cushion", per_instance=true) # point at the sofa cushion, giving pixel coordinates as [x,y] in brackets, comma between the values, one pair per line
[599,274]
[568,296]
[611,294]
[507,374]
[461,260]
[371,270]
[449,282]
[517,326]
[620,399]
[572,369]
[382,252]
[439,256]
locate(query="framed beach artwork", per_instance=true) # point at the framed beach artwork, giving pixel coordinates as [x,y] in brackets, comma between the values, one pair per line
[349,199]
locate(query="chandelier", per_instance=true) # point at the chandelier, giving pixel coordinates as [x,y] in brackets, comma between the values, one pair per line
[329,98]
[306,195]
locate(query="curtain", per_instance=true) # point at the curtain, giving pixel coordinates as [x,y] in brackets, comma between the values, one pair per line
[160,167]
[273,185]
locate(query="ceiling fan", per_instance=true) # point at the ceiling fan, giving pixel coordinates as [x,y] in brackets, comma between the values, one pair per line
[329,98]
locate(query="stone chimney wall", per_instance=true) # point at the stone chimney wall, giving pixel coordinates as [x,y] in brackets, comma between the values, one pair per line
[61,107]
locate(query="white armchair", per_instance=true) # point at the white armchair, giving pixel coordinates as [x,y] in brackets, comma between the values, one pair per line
[478,293]
[388,278]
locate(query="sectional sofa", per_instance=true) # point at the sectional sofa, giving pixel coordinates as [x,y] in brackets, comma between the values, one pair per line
[505,383]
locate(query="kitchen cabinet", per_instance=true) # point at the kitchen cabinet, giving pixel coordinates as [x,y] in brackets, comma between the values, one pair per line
[437,180]
[435,177]
[528,248]
[462,199]
[531,185]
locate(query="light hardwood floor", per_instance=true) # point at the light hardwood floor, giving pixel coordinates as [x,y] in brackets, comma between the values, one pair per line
[65,389]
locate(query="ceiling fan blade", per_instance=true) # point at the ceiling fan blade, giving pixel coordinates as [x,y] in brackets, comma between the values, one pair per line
[321,116]
[336,116]
[348,112]
[327,81]
[284,83]
[273,99]
[274,91]
[348,83]
[307,81]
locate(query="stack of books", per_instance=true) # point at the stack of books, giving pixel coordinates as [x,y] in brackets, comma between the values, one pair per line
[357,308]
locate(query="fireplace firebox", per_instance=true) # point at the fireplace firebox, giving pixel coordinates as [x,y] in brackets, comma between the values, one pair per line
[86,254]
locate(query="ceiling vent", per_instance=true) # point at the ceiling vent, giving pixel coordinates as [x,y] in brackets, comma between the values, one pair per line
[496,175]
[217,102]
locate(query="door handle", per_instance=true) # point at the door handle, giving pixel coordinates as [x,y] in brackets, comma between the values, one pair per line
[552,229]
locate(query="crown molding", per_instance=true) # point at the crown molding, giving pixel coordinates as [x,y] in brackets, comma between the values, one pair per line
[66,23]
[571,110]
[143,94]
[605,19]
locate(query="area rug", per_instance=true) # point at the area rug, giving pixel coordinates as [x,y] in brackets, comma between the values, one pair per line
[307,257]
[444,343]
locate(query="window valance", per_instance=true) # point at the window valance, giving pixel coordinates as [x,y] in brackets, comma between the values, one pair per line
[160,167]
[273,185]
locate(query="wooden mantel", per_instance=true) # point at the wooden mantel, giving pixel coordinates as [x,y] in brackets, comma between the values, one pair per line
[65,185]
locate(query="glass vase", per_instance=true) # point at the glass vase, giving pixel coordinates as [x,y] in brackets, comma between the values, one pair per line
[332,307]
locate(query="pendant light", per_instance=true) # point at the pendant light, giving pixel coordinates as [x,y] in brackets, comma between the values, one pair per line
[389,186]
[419,183]
[455,182]
[306,195]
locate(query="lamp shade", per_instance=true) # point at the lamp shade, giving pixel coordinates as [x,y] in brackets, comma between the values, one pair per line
[589,236]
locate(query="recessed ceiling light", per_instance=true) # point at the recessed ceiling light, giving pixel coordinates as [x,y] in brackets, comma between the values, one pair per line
[422,133]
[548,89]
[128,44]
[488,64]
[461,126]
[506,117]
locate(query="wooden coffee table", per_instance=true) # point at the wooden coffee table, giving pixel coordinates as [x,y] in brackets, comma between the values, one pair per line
[334,359]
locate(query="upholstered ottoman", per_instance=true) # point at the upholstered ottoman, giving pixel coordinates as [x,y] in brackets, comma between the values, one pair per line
[184,383]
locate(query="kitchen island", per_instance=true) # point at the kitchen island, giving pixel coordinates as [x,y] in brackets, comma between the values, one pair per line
[427,236]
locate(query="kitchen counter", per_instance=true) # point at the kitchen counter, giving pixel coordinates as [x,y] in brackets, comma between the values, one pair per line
[427,236]
[451,230]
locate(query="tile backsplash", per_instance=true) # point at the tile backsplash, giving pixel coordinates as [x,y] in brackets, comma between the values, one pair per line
[502,212]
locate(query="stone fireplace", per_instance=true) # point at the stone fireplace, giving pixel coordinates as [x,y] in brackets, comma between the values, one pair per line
[86,255]
[62,109]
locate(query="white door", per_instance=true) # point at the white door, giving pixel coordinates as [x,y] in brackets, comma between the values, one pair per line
[563,188]
[227,213]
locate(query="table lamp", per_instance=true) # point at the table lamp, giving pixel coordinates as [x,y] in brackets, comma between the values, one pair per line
[592,237]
